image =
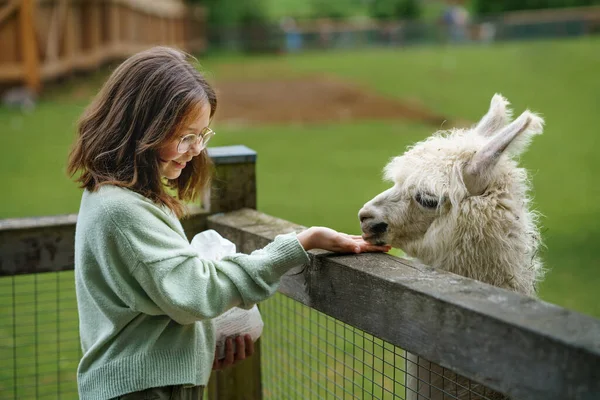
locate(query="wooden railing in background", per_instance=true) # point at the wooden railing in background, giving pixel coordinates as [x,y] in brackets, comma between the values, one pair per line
[44,39]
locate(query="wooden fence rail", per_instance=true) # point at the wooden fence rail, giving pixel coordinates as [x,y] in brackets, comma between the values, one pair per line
[523,347]
[45,39]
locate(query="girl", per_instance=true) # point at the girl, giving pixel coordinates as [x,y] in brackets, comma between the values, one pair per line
[145,298]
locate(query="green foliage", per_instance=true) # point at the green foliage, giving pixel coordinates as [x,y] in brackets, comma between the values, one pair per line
[394,9]
[234,12]
[497,6]
[382,9]
[327,9]
[336,9]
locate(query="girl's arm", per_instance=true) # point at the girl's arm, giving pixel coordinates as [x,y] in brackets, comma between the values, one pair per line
[139,240]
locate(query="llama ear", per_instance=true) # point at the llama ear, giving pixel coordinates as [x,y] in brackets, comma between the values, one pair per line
[512,140]
[496,118]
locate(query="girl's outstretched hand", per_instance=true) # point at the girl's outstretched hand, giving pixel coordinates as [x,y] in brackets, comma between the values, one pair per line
[328,239]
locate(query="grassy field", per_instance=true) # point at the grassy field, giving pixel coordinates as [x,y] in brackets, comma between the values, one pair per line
[309,166]
[303,170]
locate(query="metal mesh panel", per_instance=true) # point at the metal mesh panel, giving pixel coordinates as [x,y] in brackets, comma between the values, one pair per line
[306,354]
[39,337]
[309,355]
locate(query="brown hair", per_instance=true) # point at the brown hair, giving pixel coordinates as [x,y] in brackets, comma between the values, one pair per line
[143,104]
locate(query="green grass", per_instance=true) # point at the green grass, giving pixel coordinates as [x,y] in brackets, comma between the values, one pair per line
[558,79]
[321,174]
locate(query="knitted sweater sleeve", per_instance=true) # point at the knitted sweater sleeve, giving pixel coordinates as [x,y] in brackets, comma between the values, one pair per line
[170,278]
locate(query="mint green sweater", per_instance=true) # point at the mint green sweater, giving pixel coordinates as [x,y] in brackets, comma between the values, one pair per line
[146,300]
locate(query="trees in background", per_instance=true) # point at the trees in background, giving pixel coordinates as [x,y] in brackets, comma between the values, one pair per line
[233,12]
[498,6]
[394,9]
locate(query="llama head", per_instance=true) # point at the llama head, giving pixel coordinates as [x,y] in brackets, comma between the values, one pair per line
[457,190]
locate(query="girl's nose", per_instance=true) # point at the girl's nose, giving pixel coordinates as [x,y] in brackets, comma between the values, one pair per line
[196,148]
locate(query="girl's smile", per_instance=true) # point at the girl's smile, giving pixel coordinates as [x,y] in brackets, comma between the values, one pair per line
[172,161]
[176,164]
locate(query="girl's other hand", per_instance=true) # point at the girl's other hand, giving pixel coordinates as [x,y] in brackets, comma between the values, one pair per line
[328,239]
[243,348]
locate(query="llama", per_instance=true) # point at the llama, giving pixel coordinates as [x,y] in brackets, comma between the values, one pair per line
[459,202]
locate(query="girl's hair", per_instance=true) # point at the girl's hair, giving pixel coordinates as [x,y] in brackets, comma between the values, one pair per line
[148,99]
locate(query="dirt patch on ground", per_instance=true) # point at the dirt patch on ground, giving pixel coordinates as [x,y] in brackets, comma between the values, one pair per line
[309,100]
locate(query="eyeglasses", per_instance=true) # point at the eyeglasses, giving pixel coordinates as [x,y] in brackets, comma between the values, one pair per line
[186,142]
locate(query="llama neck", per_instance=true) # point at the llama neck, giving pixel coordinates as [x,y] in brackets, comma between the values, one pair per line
[500,250]
[509,264]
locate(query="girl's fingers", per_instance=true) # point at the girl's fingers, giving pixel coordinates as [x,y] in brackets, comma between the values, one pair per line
[228,353]
[353,237]
[359,246]
[373,248]
[369,247]
[344,243]
[249,345]
[363,246]
[240,351]
[349,245]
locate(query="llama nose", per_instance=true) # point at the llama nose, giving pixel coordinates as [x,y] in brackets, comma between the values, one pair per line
[379,228]
[364,215]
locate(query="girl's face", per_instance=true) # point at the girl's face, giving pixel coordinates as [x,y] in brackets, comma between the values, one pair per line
[171,161]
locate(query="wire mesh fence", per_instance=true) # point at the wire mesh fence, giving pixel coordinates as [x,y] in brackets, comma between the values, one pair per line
[306,354]
[39,337]
[309,355]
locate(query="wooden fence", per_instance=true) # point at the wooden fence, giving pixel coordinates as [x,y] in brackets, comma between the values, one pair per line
[45,39]
[525,348]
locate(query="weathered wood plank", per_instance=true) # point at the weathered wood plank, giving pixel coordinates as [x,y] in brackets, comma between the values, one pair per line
[520,346]
[35,245]
[236,154]
[234,183]
[46,244]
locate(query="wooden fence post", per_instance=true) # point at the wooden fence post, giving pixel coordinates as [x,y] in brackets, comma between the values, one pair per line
[233,188]
[234,184]
[31,59]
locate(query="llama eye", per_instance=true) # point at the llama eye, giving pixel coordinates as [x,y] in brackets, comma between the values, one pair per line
[426,200]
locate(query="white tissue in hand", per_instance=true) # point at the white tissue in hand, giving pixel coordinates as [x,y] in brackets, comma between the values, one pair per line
[212,246]
[236,321]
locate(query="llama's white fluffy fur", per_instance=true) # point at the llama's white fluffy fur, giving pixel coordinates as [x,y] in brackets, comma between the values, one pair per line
[460,202]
